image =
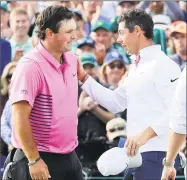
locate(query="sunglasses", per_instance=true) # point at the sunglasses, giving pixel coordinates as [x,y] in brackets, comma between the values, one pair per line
[113,65]
[9,76]
[116,129]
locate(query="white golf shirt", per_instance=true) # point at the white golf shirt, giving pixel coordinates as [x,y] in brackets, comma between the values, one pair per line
[178,110]
[146,94]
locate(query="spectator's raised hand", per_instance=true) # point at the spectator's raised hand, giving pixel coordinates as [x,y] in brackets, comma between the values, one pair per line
[18,54]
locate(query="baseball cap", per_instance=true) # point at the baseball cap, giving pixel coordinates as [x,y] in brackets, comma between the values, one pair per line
[113,56]
[88,58]
[4,5]
[108,165]
[132,2]
[116,128]
[114,24]
[101,24]
[179,27]
[161,21]
[85,41]
[77,12]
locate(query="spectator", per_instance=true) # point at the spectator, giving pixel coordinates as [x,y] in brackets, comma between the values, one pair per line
[80,33]
[6,32]
[103,39]
[5,53]
[5,80]
[34,38]
[91,13]
[183,7]
[6,76]
[178,34]
[113,69]
[12,5]
[6,125]
[20,41]
[114,30]
[116,128]
[124,6]
[161,21]
[168,8]
[62,3]
[85,44]
[160,38]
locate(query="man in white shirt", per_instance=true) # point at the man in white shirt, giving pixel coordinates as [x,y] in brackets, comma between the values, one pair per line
[178,127]
[146,93]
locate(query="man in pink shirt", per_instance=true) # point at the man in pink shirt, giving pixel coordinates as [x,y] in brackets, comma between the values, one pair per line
[44,92]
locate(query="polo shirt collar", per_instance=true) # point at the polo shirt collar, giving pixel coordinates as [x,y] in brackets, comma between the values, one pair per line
[149,51]
[47,56]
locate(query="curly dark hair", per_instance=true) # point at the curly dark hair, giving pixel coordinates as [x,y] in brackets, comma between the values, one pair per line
[140,18]
[51,18]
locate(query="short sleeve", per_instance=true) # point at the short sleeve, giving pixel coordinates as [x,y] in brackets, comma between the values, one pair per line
[25,83]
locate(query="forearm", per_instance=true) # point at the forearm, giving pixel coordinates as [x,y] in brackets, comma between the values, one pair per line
[176,141]
[104,116]
[148,134]
[24,134]
[113,101]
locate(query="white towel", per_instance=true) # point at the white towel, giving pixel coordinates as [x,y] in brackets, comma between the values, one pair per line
[116,160]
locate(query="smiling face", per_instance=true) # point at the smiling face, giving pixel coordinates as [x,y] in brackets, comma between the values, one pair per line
[62,40]
[115,71]
[20,24]
[129,40]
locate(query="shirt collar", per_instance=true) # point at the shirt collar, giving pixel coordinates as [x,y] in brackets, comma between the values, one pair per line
[47,56]
[148,51]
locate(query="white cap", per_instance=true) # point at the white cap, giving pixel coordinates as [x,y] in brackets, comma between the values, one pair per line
[116,160]
[161,21]
[116,128]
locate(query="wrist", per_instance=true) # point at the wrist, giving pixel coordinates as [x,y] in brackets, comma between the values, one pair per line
[84,78]
[167,163]
[32,157]
[33,162]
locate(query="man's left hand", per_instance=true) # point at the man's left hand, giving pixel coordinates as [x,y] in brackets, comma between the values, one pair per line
[133,143]
[168,173]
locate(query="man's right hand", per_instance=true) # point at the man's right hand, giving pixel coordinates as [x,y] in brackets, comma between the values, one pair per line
[39,171]
[81,74]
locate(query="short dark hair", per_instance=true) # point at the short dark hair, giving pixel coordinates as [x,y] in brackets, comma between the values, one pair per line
[51,18]
[140,18]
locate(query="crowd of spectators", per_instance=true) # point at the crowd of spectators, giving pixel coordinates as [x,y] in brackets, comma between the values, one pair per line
[101,56]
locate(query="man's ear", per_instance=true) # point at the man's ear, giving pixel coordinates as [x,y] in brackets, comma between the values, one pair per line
[49,33]
[138,30]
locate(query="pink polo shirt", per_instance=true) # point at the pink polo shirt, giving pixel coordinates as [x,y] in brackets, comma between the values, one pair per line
[52,91]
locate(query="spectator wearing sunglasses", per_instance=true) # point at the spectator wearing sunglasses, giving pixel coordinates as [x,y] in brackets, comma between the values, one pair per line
[6,127]
[113,69]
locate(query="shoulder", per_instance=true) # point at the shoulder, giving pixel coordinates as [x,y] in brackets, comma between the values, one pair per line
[165,62]
[27,67]
[5,43]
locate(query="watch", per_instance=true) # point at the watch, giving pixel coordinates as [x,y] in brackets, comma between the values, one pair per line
[34,161]
[167,164]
